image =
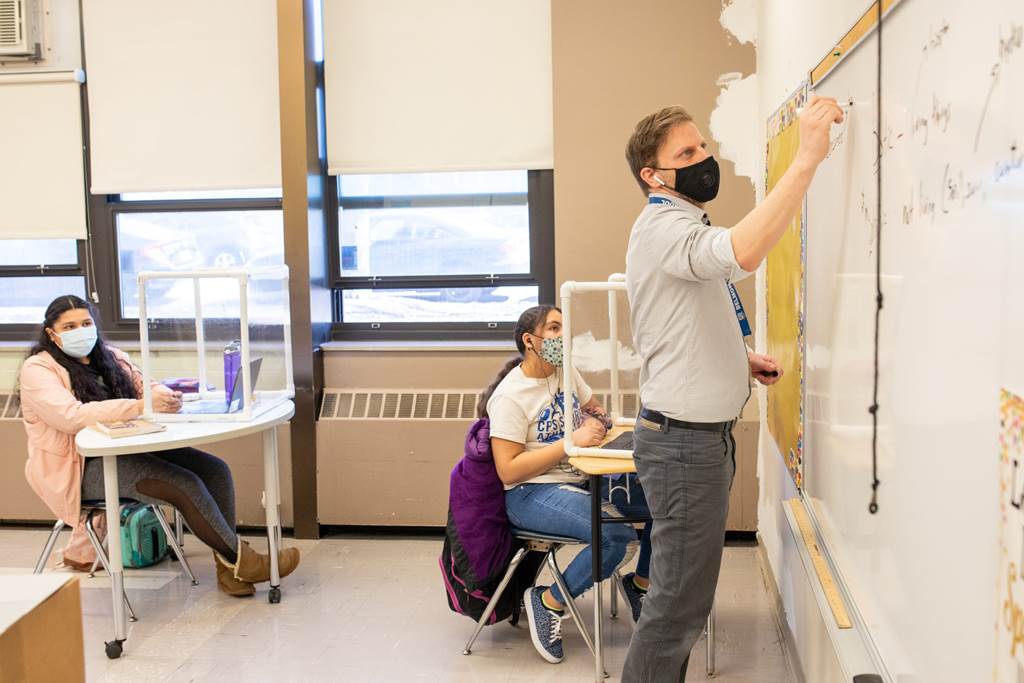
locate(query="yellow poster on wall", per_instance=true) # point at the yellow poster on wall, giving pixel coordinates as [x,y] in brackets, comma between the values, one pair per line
[784,288]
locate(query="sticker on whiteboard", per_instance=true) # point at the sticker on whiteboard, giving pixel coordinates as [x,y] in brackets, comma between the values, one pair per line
[1010,568]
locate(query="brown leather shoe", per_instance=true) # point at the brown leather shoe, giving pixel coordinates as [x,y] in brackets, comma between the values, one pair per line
[226,581]
[254,567]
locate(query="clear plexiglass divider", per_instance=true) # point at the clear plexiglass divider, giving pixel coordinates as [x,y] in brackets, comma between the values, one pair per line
[220,336]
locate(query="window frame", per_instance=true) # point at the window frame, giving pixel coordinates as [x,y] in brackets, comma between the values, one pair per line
[104,210]
[539,198]
[22,331]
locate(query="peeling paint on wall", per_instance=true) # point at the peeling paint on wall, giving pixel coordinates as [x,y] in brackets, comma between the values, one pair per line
[734,121]
[734,124]
[739,18]
[591,355]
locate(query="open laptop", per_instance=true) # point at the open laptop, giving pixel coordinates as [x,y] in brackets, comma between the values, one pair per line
[218,406]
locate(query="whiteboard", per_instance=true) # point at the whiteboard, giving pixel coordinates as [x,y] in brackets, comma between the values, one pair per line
[922,571]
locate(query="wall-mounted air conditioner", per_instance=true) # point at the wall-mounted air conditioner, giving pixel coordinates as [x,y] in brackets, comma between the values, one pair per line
[20,34]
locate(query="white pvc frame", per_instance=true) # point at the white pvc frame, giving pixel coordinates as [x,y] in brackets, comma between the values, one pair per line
[255,402]
[616,283]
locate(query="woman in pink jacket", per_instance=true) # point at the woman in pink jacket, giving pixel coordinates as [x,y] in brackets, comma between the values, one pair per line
[71,380]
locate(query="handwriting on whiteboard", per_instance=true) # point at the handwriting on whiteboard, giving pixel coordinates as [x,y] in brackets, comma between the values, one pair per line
[1007,47]
[1007,166]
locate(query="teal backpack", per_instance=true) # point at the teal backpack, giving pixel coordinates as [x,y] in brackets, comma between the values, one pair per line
[143,541]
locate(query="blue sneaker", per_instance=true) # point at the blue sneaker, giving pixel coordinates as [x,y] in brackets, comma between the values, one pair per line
[634,595]
[545,625]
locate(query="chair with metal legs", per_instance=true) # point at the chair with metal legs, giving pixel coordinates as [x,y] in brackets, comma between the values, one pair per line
[92,507]
[172,541]
[179,538]
[709,627]
[549,545]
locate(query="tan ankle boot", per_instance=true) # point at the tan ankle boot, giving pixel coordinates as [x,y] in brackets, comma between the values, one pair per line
[226,581]
[254,567]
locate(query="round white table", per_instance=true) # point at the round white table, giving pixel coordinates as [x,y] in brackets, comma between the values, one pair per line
[93,444]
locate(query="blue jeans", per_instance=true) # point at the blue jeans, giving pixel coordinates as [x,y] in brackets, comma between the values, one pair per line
[564,510]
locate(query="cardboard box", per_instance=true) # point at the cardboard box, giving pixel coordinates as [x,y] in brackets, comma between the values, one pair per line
[41,629]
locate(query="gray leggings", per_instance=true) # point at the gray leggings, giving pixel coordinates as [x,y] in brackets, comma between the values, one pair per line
[198,484]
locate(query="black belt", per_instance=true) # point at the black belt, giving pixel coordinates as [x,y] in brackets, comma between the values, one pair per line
[659,419]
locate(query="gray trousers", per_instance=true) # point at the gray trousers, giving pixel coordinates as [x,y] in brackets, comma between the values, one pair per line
[686,474]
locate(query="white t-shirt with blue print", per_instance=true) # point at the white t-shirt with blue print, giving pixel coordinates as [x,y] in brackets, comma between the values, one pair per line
[532,412]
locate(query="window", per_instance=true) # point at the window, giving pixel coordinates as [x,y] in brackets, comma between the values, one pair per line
[187,240]
[41,253]
[32,274]
[263,193]
[177,231]
[25,298]
[461,253]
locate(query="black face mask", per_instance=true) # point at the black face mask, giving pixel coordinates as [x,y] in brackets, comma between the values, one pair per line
[699,182]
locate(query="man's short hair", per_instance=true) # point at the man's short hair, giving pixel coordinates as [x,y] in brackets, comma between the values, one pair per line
[650,132]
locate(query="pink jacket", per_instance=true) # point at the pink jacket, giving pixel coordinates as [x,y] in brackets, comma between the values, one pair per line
[53,416]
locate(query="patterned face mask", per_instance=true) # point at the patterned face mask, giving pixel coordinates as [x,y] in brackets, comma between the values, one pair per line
[551,351]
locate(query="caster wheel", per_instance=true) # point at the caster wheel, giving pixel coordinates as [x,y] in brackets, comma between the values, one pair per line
[114,649]
[172,557]
[514,619]
[275,595]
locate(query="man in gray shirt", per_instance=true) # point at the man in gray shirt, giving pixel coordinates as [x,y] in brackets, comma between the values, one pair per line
[688,326]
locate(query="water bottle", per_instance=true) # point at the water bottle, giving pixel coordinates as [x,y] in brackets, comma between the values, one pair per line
[232,362]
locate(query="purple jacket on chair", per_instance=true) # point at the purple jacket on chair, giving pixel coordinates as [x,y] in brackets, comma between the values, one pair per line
[478,528]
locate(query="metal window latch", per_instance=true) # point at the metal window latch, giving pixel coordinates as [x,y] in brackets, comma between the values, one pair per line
[492,326]
[374,326]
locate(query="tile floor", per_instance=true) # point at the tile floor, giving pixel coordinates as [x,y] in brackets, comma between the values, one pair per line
[370,609]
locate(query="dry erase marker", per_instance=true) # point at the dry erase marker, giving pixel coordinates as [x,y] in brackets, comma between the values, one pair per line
[845,106]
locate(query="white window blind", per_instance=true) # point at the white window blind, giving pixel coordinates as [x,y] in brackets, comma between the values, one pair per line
[182,95]
[42,179]
[448,85]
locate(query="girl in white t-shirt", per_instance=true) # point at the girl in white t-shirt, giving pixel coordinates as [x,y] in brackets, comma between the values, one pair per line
[543,492]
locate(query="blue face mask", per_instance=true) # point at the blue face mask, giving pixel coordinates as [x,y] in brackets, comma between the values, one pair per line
[79,342]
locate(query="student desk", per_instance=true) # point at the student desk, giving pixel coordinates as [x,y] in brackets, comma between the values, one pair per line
[596,467]
[93,444]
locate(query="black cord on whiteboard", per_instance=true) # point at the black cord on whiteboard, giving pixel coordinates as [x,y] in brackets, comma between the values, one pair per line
[873,506]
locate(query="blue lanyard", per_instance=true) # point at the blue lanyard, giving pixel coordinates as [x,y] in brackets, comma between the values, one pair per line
[741,315]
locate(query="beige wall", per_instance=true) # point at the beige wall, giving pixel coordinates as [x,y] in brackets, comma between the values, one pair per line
[615,62]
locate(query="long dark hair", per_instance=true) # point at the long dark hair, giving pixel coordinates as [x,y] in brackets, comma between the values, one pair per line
[101,360]
[529,321]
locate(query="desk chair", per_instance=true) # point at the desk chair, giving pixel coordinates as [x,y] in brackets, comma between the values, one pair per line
[174,539]
[178,538]
[709,627]
[549,545]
